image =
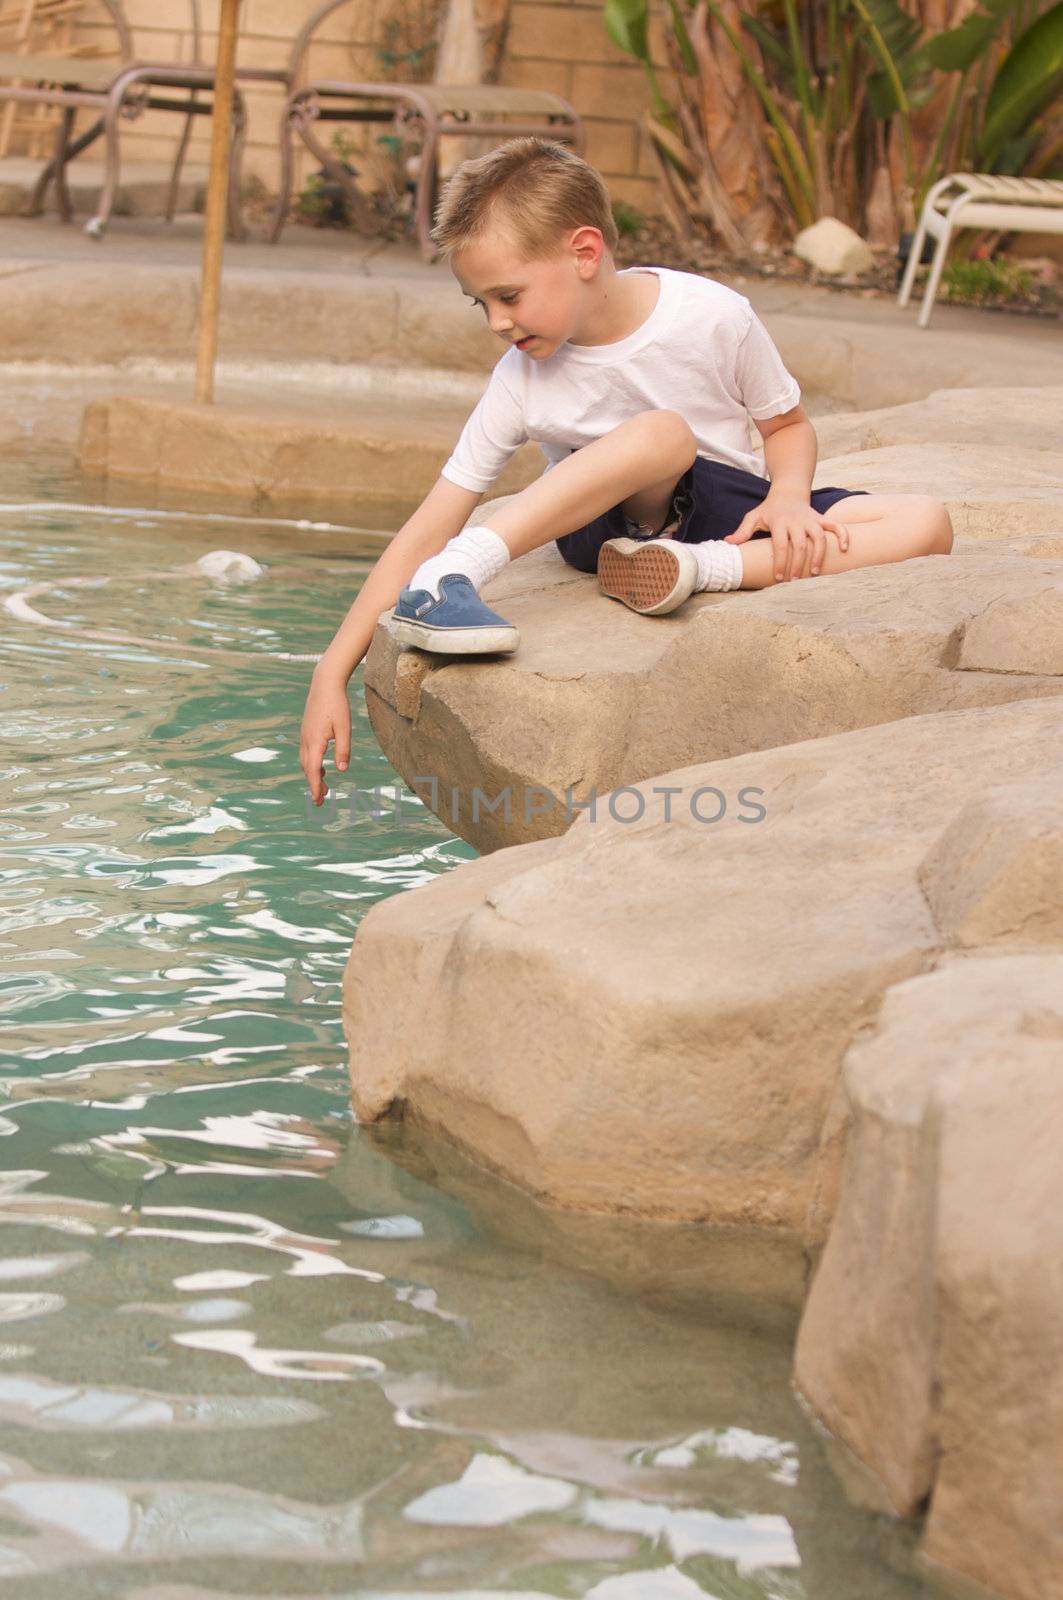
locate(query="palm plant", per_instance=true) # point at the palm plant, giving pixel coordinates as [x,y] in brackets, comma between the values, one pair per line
[849,108]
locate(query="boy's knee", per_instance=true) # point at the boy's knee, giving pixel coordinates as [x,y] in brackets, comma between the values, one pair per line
[939,527]
[672,435]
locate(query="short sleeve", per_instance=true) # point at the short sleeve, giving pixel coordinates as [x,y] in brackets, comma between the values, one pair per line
[494,431]
[766,388]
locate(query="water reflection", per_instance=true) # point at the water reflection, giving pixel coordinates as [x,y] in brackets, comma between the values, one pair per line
[252,1347]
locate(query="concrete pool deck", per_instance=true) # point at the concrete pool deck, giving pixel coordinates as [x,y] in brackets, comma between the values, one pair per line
[347,367]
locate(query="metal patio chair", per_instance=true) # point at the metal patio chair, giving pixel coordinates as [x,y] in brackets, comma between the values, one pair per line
[120,90]
[978,200]
[420,113]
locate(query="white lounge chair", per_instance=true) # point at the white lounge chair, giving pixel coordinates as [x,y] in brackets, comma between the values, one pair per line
[978,200]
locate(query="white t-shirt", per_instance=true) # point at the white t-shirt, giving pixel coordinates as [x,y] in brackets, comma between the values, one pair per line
[702,351]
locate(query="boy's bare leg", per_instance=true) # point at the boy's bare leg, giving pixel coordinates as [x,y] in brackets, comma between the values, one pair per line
[882,528]
[637,464]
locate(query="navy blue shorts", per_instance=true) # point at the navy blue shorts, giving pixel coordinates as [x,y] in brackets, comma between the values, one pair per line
[710,497]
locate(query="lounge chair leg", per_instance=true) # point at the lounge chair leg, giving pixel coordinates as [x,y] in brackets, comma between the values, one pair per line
[280,215]
[426,186]
[97,224]
[62,157]
[915,256]
[934,279]
[35,204]
[179,159]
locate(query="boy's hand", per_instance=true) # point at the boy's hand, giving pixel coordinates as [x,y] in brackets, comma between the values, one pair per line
[327,716]
[798,535]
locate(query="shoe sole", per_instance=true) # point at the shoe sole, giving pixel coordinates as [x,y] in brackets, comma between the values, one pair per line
[454,641]
[653,576]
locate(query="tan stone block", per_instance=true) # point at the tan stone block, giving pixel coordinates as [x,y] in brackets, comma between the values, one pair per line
[610,146]
[597,91]
[271,54]
[280,19]
[1026,418]
[263,108]
[577,34]
[642,193]
[990,492]
[350,61]
[76,312]
[275,457]
[442,329]
[148,14]
[1020,635]
[555,77]
[997,871]
[692,1101]
[929,1344]
[888,654]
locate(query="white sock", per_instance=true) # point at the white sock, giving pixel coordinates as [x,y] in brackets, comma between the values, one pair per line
[477,552]
[719,565]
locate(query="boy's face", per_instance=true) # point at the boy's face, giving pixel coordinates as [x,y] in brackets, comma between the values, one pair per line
[535,305]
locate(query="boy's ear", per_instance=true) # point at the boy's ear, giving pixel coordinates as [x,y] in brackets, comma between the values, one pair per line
[588,246]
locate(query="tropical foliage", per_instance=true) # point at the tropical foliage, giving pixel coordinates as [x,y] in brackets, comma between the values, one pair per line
[776,113]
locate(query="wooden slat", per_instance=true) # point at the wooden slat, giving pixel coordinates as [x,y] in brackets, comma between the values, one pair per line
[491,97]
[87,74]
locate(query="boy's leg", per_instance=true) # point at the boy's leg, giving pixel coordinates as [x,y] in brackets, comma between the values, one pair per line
[882,528]
[636,465]
[625,464]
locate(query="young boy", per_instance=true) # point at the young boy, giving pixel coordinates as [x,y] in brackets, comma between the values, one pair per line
[637,385]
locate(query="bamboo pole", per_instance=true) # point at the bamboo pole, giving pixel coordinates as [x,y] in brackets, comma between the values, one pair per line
[217,192]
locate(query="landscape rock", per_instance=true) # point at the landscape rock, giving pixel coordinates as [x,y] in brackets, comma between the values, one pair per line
[930,1342]
[649,1016]
[834,248]
[996,873]
[991,492]
[1002,418]
[598,696]
[277,456]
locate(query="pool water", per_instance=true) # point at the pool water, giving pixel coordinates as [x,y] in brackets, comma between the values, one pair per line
[248,1347]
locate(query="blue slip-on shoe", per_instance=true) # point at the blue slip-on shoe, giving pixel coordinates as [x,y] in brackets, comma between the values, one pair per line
[457,624]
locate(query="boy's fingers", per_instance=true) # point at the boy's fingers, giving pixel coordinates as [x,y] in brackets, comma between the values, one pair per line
[748,526]
[840,531]
[780,550]
[313,767]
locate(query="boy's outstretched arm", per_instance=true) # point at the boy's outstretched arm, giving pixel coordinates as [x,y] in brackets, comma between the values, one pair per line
[442,513]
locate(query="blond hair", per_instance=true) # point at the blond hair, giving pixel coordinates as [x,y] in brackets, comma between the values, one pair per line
[532,190]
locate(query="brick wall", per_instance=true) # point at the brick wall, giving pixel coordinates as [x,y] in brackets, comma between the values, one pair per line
[559,45]
[562,45]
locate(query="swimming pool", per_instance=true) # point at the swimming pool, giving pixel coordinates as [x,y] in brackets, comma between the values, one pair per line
[248,1347]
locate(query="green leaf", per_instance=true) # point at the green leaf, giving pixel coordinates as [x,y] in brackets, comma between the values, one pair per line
[1030,76]
[625,23]
[1015,152]
[895,39]
[686,49]
[900,32]
[959,48]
